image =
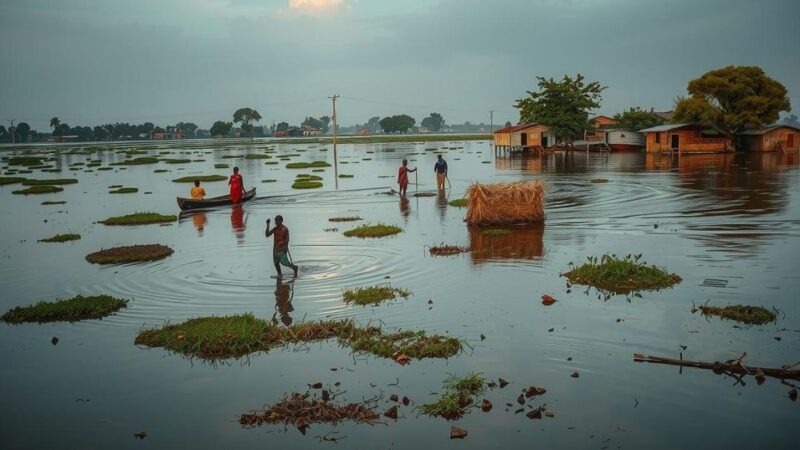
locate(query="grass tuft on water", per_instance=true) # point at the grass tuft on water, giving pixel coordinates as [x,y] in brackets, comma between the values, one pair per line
[11,180]
[72,310]
[176,160]
[373,295]
[307,165]
[345,219]
[124,190]
[137,161]
[373,231]
[344,175]
[38,190]
[621,275]
[62,238]
[139,218]
[495,232]
[753,315]
[305,184]
[214,338]
[130,254]
[459,203]
[598,180]
[269,180]
[460,393]
[50,202]
[302,410]
[201,178]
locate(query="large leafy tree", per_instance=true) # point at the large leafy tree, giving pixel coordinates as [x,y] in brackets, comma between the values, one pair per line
[636,119]
[326,123]
[187,127]
[54,123]
[283,126]
[732,100]
[245,117]
[23,130]
[397,124]
[433,122]
[563,105]
[221,128]
[374,124]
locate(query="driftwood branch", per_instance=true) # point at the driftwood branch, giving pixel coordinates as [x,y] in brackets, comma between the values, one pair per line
[733,366]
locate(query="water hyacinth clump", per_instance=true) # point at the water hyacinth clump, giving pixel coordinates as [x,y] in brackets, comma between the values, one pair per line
[373,231]
[373,295]
[73,309]
[621,275]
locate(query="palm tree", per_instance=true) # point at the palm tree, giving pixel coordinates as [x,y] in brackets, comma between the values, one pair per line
[54,123]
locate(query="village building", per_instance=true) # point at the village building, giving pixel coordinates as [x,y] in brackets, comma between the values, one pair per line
[529,136]
[602,122]
[773,138]
[308,130]
[684,138]
[612,139]
[167,135]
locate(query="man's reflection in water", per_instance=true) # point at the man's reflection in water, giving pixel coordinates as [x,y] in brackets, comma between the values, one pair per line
[199,221]
[237,222]
[284,293]
[404,208]
[441,203]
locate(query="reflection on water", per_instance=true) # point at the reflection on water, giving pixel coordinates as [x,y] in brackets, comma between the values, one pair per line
[237,222]
[523,243]
[199,221]
[284,294]
[404,208]
[441,203]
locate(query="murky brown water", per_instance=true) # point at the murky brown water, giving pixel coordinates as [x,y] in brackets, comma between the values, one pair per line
[730,217]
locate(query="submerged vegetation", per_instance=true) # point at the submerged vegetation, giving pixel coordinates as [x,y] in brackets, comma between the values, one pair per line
[373,295]
[752,315]
[302,410]
[124,190]
[459,202]
[307,165]
[621,275]
[201,178]
[373,231]
[73,309]
[137,161]
[62,238]
[302,183]
[236,336]
[11,180]
[345,219]
[139,218]
[459,395]
[47,189]
[129,254]
[446,250]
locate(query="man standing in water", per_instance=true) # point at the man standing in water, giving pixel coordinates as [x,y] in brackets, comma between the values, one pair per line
[280,246]
[441,172]
[236,183]
[402,176]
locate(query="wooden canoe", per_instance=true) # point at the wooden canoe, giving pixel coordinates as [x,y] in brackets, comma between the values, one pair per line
[190,203]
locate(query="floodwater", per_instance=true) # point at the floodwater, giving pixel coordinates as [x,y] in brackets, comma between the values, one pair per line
[734,218]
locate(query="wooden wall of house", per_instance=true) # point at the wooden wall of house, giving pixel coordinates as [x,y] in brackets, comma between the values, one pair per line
[689,141]
[779,139]
[503,139]
[535,136]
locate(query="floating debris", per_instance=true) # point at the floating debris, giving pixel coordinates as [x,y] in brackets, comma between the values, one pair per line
[62,238]
[753,315]
[302,410]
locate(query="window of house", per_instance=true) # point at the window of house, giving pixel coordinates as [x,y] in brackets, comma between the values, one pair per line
[658,138]
[622,135]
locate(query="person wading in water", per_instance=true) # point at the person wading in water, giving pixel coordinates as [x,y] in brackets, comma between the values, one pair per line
[280,246]
[441,172]
[402,176]
[236,183]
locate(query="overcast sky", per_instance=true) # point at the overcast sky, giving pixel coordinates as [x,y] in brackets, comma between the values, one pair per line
[97,61]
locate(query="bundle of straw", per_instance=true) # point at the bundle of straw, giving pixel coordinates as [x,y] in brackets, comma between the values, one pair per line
[506,203]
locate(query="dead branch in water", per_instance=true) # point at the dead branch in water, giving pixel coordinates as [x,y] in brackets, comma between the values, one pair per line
[732,366]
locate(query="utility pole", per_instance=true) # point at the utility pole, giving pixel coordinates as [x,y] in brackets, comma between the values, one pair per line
[11,129]
[335,157]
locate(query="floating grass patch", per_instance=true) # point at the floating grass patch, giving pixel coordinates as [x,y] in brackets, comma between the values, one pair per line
[124,190]
[305,184]
[344,175]
[160,171]
[137,161]
[307,165]
[201,178]
[257,156]
[11,180]
[345,219]
[62,238]
[307,177]
[54,182]
[373,231]
[25,161]
[221,166]
[233,157]
[49,202]
[236,336]
[446,250]
[495,232]
[460,393]
[621,275]
[176,161]
[105,168]
[271,163]
[302,410]
[598,180]
[72,310]
[373,295]
[38,190]
[140,218]
[459,203]
[129,254]
[753,315]
[269,180]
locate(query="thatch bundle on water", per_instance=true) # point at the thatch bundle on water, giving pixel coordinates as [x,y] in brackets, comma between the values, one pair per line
[506,203]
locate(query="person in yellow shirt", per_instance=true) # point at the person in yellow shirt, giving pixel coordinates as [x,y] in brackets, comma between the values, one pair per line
[197,191]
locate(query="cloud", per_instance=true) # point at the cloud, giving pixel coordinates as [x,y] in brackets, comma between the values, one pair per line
[314,4]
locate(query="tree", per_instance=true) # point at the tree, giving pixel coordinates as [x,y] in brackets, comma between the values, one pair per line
[732,100]
[326,123]
[283,126]
[374,124]
[312,122]
[54,123]
[508,123]
[83,133]
[23,129]
[187,127]
[61,130]
[791,120]
[245,117]
[563,105]
[433,122]
[3,132]
[636,119]
[399,123]
[221,128]
[100,133]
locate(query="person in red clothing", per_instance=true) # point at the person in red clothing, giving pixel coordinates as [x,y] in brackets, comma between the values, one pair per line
[402,176]
[280,246]
[237,186]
